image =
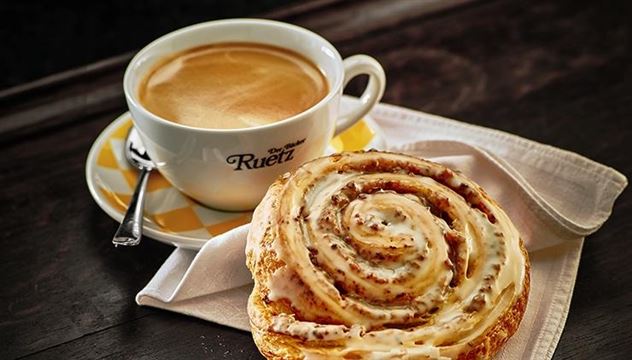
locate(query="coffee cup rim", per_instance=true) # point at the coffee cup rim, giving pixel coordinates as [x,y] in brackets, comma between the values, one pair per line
[130,74]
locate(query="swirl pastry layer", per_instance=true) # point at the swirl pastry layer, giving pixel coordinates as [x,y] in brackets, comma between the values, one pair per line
[377,255]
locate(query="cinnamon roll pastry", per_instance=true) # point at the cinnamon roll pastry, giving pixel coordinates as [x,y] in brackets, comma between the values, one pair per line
[375,255]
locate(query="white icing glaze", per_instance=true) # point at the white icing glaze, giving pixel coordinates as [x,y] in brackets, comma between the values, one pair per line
[377,261]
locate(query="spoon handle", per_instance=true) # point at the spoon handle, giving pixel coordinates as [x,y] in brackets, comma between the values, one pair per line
[131,228]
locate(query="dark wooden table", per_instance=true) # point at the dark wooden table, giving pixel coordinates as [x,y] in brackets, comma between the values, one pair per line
[556,72]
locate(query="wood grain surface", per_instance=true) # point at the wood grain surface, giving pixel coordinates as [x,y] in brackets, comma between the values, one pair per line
[558,72]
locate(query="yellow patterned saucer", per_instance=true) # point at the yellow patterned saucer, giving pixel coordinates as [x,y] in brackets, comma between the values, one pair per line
[171,216]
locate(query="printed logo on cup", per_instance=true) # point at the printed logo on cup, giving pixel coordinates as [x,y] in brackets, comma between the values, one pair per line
[275,155]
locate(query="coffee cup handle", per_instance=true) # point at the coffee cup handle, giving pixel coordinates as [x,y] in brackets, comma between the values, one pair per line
[357,65]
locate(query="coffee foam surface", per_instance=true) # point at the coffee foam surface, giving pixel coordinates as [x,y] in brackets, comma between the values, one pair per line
[232,85]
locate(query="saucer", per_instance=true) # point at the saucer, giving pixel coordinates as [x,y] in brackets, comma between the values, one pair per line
[170,216]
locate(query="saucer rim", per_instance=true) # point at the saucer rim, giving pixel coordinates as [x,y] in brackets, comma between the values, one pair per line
[165,237]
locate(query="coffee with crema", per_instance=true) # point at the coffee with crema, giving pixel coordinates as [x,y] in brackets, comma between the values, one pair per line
[232,85]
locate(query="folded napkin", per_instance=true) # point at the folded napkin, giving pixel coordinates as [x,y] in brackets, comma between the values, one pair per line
[554,197]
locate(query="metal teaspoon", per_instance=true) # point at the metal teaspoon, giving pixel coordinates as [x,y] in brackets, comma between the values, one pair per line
[131,228]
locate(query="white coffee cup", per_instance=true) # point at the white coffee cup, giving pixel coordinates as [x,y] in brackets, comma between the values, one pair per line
[231,169]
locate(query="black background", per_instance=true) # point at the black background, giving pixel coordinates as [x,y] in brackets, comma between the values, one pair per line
[39,38]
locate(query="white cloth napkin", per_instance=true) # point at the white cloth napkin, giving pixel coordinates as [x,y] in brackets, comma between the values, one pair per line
[554,197]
